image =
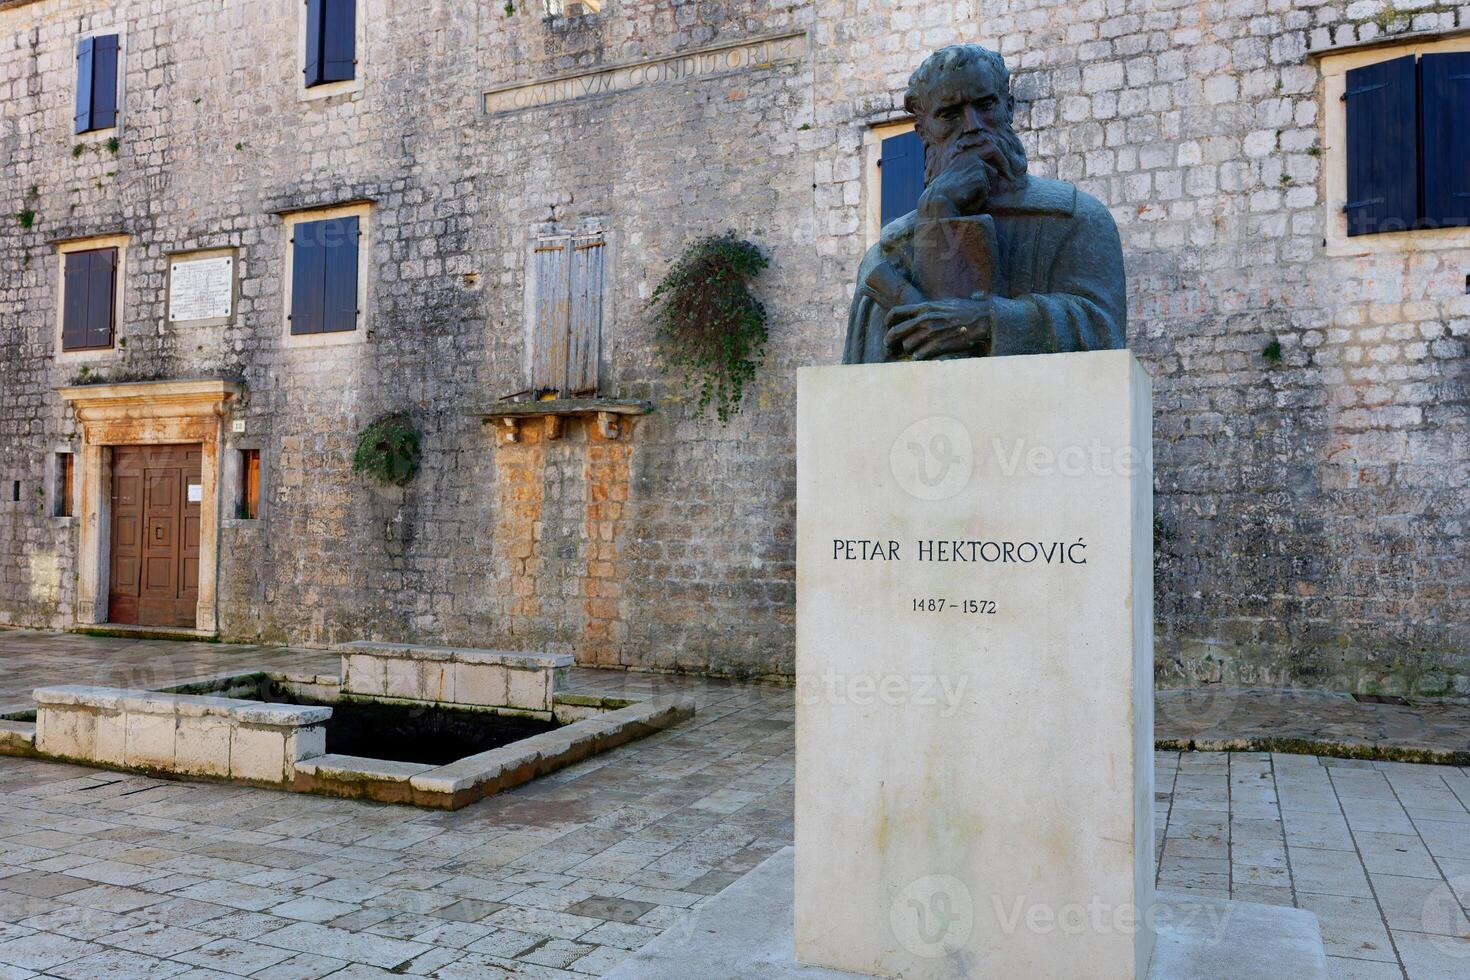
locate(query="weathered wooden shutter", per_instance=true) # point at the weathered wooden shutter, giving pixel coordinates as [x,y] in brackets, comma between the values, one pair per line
[1445,108]
[1382,147]
[553,305]
[339,266]
[313,70]
[83,117]
[101,292]
[339,40]
[585,328]
[901,175]
[308,278]
[104,81]
[77,278]
[567,337]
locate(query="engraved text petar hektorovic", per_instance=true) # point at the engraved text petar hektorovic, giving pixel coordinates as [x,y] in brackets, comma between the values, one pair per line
[979,551]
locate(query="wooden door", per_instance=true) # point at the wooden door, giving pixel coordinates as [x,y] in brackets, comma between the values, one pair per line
[156,496]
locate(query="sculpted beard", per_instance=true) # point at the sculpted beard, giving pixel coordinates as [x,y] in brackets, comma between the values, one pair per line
[1002,157]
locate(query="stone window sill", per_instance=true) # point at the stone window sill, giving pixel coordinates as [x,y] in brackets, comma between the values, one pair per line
[509,416]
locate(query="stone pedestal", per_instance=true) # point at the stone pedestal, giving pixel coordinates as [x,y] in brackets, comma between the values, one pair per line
[974,665]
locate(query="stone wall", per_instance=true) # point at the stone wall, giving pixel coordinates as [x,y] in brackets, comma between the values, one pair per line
[1310,513]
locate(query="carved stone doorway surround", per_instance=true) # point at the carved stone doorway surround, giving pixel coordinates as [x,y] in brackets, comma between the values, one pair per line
[146,413]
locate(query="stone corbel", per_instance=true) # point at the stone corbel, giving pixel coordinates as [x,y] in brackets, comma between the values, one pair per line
[605,413]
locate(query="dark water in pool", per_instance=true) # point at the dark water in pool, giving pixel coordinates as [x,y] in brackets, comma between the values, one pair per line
[433,736]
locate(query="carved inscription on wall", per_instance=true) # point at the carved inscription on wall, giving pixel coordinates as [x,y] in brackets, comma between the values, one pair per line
[761,53]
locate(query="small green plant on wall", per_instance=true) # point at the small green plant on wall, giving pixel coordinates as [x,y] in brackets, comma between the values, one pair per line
[388,450]
[708,325]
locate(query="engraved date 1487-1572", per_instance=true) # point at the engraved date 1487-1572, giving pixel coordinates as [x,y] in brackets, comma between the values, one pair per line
[983,607]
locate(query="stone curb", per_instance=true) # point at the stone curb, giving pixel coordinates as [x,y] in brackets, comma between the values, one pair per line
[467,655]
[464,781]
[1331,748]
[359,767]
[491,772]
[17,737]
[184,705]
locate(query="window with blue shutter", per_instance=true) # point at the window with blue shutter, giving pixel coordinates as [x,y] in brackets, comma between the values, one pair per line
[324,276]
[901,173]
[89,292]
[96,83]
[331,41]
[1445,128]
[1408,154]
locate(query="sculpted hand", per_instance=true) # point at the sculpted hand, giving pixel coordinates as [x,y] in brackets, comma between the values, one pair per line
[937,328]
[962,188]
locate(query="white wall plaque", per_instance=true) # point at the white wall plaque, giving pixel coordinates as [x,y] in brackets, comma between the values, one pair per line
[200,289]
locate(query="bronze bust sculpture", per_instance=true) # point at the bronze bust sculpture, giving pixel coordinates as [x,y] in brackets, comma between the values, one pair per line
[993,261]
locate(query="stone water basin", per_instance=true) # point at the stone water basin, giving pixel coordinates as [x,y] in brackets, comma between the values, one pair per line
[427,726]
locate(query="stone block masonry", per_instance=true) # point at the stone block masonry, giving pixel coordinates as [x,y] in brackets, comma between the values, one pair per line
[185,733]
[1310,510]
[518,682]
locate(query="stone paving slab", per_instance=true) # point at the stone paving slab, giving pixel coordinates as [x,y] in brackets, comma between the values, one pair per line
[583,866]
[1313,722]
[36,658]
[1209,719]
[748,931]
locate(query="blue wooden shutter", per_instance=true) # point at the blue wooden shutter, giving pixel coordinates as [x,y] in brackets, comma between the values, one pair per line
[101,292]
[313,68]
[308,278]
[339,303]
[584,331]
[88,293]
[1382,147]
[339,40]
[553,305]
[104,81]
[1445,106]
[74,300]
[901,172]
[83,117]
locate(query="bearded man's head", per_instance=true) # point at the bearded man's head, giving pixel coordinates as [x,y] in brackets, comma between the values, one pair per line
[961,101]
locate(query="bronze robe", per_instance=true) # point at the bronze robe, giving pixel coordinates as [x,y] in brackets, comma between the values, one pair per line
[1061,276]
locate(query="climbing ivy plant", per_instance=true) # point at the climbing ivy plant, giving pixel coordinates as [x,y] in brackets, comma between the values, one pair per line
[708,325]
[388,450]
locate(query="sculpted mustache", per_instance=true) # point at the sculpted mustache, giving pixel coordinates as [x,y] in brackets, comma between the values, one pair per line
[1010,156]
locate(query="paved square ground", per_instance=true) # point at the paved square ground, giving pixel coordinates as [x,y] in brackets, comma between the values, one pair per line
[105,874]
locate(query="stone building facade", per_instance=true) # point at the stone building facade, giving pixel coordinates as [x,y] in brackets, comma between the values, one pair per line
[1312,444]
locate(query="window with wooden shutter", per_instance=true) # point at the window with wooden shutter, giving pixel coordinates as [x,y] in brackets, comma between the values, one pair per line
[1407,154]
[97,59]
[901,175]
[324,276]
[1445,131]
[331,41]
[89,292]
[567,334]
[64,485]
[247,492]
[1382,152]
